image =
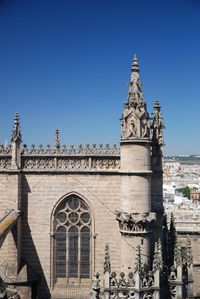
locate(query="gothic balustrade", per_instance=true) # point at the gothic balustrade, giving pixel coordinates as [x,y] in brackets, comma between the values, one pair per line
[84,158]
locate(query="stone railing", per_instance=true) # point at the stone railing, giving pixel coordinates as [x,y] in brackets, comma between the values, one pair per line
[82,150]
[5,157]
[84,158]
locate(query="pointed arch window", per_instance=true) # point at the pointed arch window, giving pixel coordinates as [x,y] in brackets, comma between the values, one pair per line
[72,228]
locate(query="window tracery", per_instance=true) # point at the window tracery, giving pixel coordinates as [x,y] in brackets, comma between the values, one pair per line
[72,228]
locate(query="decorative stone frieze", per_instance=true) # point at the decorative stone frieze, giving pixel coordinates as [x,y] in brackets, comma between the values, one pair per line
[67,163]
[103,164]
[135,223]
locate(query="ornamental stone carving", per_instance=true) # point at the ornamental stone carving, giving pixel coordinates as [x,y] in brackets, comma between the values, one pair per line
[5,163]
[107,259]
[72,164]
[104,164]
[6,292]
[82,150]
[134,223]
[5,150]
[157,125]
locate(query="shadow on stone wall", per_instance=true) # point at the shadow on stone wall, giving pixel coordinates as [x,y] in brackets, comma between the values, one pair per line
[29,252]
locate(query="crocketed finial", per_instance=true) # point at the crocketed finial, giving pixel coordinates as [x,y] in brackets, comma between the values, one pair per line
[157,259]
[135,65]
[107,259]
[138,261]
[16,133]
[56,139]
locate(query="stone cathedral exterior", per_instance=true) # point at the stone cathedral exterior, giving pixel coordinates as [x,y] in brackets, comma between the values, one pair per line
[89,222]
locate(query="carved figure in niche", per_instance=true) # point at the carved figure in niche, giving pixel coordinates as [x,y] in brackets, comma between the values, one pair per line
[122,281]
[145,128]
[172,275]
[95,286]
[132,128]
[145,281]
[113,279]
[131,282]
[150,279]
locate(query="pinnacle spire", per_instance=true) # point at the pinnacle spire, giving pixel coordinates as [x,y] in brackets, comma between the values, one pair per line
[157,260]
[138,261]
[107,259]
[16,132]
[157,125]
[57,139]
[135,118]
[135,65]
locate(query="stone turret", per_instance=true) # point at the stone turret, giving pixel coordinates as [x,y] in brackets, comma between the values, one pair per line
[135,216]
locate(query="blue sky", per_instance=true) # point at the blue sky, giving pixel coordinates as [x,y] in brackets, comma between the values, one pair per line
[66,64]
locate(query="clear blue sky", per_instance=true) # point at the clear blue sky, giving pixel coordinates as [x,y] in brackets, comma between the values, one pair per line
[66,64]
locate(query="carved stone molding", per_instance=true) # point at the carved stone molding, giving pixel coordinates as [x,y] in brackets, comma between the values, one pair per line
[135,223]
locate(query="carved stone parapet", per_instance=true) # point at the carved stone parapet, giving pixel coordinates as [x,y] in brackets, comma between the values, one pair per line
[67,163]
[82,150]
[135,223]
[5,163]
[36,163]
[5,149]
[109,164]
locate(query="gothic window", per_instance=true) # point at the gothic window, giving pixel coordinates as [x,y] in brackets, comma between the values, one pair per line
[72,227]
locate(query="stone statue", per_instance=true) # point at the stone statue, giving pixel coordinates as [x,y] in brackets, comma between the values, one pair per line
[96,286]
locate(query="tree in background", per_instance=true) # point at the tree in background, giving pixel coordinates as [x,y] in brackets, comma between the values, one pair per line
[185,191]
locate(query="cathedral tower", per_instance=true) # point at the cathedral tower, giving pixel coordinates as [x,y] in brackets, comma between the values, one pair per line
[135,216]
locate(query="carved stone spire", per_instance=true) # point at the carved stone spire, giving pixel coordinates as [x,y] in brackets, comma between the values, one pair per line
[189,251]
[107,259]
[16,133]
[56,139]
[16,140]
[157,259]
[138,260]
[157,125]
[177,254]
[135,118]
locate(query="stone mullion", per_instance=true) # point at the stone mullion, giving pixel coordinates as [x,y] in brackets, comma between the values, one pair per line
[79,255]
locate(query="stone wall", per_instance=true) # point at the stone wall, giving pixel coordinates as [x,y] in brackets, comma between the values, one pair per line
[42,193]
